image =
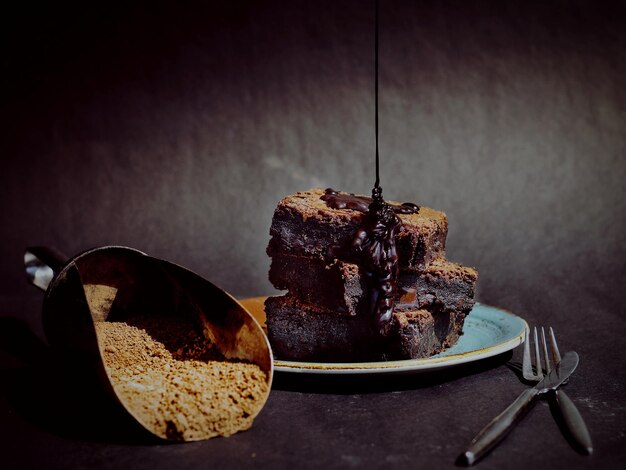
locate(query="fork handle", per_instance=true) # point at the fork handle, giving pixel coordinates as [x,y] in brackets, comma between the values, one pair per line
[498,428]
[574,422]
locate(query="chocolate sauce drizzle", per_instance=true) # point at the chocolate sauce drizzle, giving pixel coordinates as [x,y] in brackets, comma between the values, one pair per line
[374,247]
[374,244]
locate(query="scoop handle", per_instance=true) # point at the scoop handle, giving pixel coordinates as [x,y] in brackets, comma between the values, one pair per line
[41,264]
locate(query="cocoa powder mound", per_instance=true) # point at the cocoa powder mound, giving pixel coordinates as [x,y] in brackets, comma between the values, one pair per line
[174,382]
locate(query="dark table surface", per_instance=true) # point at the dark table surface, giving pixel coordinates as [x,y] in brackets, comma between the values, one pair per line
[55,417]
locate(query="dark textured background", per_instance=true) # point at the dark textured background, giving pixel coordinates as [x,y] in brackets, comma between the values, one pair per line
[175,129]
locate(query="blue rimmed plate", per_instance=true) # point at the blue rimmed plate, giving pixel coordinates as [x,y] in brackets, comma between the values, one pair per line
[488,331]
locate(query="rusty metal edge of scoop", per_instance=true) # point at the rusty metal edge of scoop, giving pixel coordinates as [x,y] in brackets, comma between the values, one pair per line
[49,270]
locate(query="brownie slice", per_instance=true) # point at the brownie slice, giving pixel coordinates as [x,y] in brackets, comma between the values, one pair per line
[303,224]
[337,285]
[443,285]
[341,286]
[306,332]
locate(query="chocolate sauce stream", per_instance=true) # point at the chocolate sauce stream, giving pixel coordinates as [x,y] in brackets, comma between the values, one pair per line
[374,244]
[375,241]
[377,182]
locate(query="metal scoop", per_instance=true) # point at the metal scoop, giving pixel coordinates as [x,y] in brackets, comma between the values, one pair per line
[112,283]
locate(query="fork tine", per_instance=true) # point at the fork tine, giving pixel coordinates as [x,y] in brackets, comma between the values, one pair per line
[556,355]
[544,345]
[539,372]
[527,366]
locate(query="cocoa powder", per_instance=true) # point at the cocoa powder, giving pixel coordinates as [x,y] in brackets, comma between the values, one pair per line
[174,382]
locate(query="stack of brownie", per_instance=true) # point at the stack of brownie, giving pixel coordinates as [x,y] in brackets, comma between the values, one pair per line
[324,316]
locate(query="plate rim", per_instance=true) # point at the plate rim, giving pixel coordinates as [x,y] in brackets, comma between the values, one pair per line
[407,365]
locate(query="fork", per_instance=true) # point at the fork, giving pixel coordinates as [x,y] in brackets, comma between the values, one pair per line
[571,416]
[501,425]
